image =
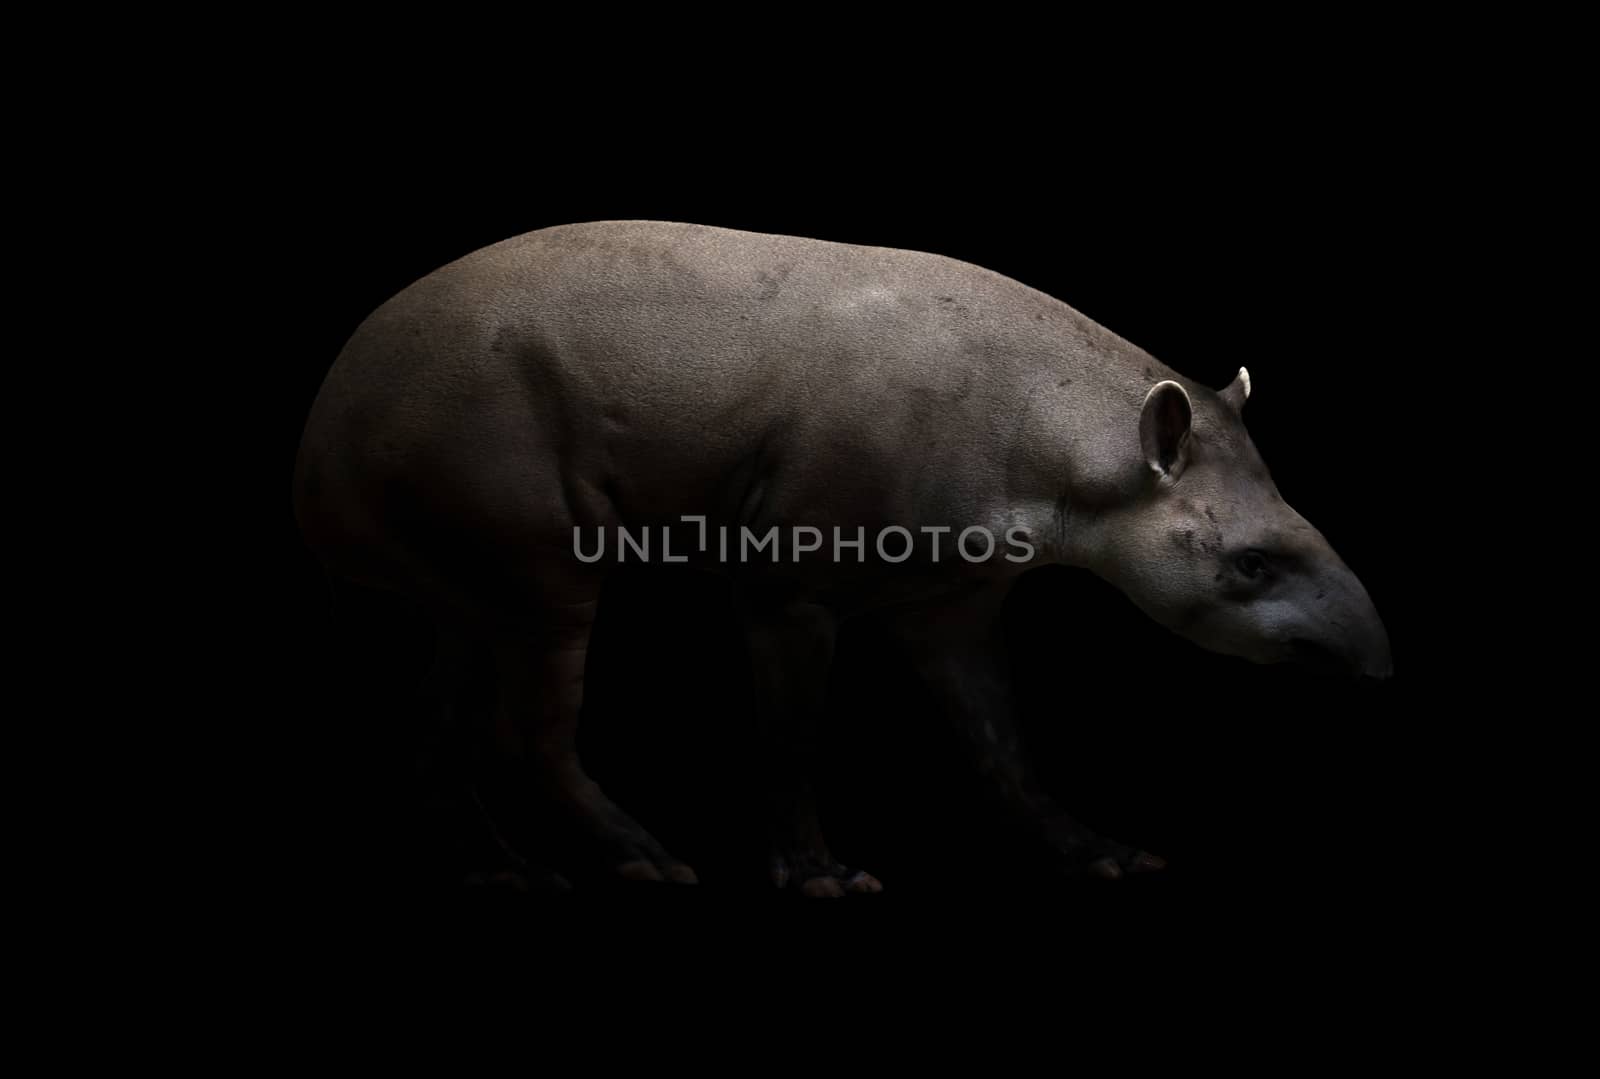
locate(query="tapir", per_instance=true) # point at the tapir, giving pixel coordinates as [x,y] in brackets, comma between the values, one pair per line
[915,431]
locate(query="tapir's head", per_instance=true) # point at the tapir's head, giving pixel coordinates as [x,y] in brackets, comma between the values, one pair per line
[1209,549]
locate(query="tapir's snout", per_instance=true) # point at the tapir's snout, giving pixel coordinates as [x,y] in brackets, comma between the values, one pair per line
[1378,663]
[1345,633]
[1373,665]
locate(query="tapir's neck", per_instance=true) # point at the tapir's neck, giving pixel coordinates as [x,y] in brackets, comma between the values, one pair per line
[1077,457]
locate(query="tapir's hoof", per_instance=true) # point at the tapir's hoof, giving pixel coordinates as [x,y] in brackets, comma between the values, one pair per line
[1113,866]
[630,855]
[521,881]
[659,869]
[1105,868]
[821,880]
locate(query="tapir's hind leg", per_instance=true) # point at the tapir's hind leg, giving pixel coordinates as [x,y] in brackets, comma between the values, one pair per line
[534,617]
[539,666]
[791,648]
[470,842]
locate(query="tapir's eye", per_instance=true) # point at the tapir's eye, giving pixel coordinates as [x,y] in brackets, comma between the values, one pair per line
[1251,564]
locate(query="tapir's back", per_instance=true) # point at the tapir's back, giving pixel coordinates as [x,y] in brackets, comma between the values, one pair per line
[697,318]
[706,316]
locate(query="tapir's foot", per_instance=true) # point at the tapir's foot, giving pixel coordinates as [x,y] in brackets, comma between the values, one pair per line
[662,867]
[499,868]
[1106,859]
[492,863]
[820,877]
[1113,866]
[523,880]
[625,851]
[574,825]
[1084,854]
[585,831]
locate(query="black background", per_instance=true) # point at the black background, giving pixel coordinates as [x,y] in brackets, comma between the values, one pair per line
[1288,807]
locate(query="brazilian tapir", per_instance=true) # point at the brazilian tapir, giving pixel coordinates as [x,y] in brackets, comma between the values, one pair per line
[901,435]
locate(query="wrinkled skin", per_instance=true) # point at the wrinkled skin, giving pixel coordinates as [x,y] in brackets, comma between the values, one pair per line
[621,374]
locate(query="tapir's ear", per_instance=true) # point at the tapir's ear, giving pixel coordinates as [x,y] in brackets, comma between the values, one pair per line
[1164,428]
[1238,391]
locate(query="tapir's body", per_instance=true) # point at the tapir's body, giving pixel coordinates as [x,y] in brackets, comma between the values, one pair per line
[586,378]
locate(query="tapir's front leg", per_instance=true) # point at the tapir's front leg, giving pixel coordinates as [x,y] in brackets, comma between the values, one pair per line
[791,649]
[957,647]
